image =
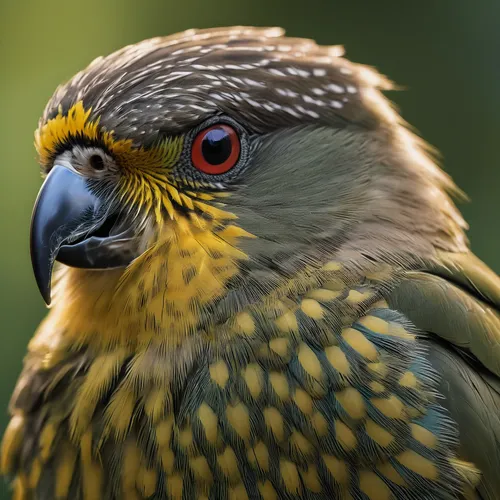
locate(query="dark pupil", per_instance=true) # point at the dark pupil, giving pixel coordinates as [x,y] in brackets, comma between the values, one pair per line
[96,162]
[216,146]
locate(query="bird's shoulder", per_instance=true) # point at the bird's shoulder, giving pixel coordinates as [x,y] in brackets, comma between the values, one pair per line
[455,299]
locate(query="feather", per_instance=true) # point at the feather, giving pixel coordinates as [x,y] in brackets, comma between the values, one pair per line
[457,300]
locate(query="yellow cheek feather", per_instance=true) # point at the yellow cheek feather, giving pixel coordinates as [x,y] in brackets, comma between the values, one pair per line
[143,182]
[191,257]
[159,297]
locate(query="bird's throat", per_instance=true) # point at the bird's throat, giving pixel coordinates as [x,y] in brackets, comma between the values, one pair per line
[165,295]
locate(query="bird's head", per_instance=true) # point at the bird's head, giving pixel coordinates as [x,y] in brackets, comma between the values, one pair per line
[211,166]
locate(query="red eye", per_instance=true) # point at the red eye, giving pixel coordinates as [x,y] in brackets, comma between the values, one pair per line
[216,149]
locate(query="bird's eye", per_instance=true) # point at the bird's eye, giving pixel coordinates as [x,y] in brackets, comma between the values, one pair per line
[96,162]
[216,149]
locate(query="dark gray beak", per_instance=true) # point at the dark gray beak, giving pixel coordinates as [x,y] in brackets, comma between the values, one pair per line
[70,224]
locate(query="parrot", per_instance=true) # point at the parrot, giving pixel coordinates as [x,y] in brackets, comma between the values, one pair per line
[259,287]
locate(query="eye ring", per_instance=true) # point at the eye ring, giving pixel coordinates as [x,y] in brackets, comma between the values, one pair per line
[216,149]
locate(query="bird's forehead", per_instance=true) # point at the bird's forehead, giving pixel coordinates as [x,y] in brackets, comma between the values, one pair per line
[257,75]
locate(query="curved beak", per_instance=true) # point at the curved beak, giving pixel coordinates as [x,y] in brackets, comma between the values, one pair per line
[70,224]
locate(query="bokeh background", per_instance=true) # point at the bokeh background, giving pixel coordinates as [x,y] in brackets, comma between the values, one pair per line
[445,53]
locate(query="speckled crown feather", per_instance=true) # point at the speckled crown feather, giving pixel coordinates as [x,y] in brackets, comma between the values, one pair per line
[167,84]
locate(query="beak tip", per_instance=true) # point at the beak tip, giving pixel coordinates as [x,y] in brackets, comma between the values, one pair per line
[43,281]
[46,296]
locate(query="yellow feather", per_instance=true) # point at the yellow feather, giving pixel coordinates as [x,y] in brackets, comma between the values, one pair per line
[290,477]
[259,456]
[156,403]
[146,481]
[98,379]
[239,419]
[92,474]
[267,491]
[215,212]
[64,471]
[35,472]
[209,421]
[174,193]
[11,443]
[201,470]
[228,463]
[418,464]
[130,469]
[373,487]
[175,486]
[119,413]
[274,421]
[310,478]
[20,488]
[337,468]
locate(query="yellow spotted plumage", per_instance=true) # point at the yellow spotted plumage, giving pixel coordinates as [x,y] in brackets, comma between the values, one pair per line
[250,418]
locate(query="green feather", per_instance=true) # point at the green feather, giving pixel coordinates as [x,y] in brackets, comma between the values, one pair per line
[457,300]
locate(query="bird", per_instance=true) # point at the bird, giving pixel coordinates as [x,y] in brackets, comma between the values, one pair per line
[262,287]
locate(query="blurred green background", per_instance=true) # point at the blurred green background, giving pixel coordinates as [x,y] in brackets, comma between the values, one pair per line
[444,52]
